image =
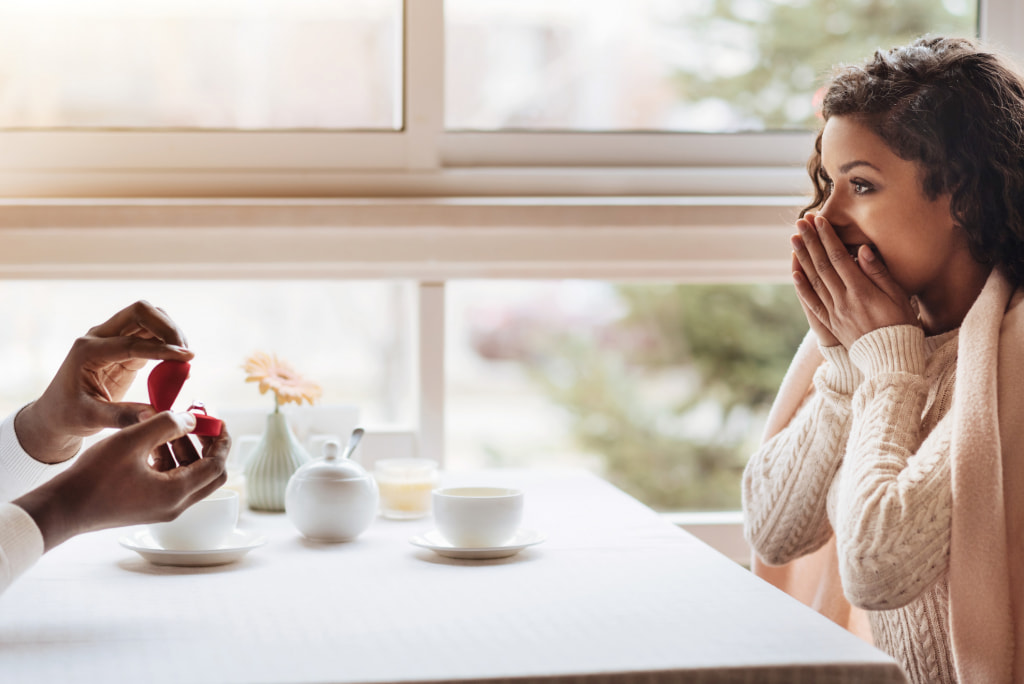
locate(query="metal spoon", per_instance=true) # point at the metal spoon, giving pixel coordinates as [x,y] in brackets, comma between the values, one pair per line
[353,442]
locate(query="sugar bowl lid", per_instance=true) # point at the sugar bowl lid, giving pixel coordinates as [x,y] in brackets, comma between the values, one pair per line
[333,466]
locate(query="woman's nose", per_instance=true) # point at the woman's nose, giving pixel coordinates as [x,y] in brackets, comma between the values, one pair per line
[832,211]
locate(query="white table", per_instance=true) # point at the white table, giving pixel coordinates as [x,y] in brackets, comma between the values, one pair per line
[614,594]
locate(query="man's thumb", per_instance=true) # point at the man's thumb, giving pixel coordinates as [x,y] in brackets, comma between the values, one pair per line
[126,413]
[163,427]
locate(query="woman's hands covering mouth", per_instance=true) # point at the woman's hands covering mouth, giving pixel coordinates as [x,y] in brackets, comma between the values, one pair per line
[845,289]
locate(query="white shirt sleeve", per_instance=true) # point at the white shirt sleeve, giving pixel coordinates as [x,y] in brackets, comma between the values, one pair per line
[21,543]
[19,472]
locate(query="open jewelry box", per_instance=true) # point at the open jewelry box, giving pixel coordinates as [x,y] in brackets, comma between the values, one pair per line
[165,383]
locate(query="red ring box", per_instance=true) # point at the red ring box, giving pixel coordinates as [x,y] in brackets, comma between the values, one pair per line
[165,382]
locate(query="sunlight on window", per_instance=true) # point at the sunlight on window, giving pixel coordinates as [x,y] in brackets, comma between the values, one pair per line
[211,64]
[352,337]
[671,65]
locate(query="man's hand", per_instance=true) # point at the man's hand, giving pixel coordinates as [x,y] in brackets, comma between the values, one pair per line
[129,478]
[85,395]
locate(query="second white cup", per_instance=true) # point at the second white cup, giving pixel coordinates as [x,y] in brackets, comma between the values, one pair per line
[478,517]
[202,526]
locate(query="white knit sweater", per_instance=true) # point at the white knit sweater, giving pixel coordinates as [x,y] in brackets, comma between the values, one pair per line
[21,542]
[867,459]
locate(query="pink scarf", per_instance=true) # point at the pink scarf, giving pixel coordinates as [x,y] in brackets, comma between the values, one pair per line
[986,565]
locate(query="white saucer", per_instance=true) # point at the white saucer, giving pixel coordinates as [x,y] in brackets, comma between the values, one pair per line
[435,542]
[234,547]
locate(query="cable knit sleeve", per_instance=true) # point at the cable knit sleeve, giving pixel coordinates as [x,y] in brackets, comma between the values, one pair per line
[892,517]
[786,483]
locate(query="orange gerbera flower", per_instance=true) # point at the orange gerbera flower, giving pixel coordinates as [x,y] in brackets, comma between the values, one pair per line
[279,377]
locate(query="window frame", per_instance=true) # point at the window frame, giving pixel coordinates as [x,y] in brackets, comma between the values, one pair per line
[422,158]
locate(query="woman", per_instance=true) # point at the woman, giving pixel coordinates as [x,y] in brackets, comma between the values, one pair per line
[895,442]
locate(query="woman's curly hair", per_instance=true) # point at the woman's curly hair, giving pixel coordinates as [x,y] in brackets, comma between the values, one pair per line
[959,113]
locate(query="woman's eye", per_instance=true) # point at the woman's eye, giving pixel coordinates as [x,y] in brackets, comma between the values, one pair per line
[861,187]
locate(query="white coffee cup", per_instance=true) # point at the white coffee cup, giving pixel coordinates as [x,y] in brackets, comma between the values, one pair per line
[478,517]
[202,526]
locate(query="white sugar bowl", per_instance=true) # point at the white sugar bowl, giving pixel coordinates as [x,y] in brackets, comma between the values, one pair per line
[331,499]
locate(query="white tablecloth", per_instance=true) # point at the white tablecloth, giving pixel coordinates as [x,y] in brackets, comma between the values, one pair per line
[614,594]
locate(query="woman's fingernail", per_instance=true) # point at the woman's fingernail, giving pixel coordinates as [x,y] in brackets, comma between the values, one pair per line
[145,414]
[869,254]
[189,419]
[819,222]
[796,242]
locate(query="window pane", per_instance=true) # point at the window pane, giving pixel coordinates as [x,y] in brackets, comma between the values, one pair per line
[661,388]
[676,65]
[352,337]
[231,64]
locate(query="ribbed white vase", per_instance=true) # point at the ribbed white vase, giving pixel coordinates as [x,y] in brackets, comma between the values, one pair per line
[271,463]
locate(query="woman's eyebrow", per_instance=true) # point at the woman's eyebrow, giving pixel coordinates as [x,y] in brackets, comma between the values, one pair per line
[848,166]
